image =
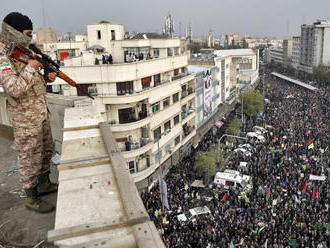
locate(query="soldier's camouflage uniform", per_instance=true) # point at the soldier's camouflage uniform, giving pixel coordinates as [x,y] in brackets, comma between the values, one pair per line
[26,104]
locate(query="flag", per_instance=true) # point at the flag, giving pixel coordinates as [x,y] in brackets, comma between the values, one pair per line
[186,187]
[314,193]
[283,181]
[311,146]
[242,211]
[308,132]
[231,245]
[292,242]
[269,192]
[309,141]
[224,197]
[274,202]
[163,192]
[304,186]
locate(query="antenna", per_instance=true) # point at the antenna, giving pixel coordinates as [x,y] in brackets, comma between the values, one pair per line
[43,14]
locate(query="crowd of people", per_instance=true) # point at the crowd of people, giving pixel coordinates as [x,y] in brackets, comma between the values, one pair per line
[285,208]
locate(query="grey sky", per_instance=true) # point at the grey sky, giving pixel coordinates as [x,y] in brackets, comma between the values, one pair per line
[253,17]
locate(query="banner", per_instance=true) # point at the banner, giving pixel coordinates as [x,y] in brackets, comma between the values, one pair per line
[207,89]
[163,192]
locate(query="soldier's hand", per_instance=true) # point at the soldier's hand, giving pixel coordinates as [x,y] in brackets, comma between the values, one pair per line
[51,77]
[35,64]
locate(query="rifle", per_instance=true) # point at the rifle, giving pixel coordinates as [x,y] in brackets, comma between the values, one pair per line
[15,51]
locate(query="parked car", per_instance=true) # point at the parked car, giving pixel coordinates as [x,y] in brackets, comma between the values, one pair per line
[242,151]
[247,147]
[259,129]
[193,213]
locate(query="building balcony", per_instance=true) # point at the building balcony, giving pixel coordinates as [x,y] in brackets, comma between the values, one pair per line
[188,135]
[133,124]
[139,176]
[112,73]
[187,97]
[137,96]
[187,116]
[137,149]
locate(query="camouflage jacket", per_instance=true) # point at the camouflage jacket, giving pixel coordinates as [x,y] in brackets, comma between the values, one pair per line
[25,89]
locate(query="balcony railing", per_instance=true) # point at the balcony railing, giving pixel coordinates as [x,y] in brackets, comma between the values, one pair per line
[188,130]
[186,93]
[131,146]
[185,114]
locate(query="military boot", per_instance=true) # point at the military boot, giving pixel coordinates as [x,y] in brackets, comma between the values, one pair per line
[45,186]
[34,203]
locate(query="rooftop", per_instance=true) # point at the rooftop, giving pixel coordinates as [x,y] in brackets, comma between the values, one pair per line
[235,52]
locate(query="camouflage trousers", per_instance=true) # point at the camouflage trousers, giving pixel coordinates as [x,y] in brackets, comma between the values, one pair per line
[35,148]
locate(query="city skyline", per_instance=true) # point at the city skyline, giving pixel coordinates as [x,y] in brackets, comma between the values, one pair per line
[255,18]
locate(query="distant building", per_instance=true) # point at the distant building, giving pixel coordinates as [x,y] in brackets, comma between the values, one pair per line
[287,53]
[45,36]
[315,45]
[248,61]
[275,55]
[296,52]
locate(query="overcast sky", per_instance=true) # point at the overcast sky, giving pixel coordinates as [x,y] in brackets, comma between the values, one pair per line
[253,17]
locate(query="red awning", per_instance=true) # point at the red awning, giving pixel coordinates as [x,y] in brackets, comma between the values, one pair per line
[218,124]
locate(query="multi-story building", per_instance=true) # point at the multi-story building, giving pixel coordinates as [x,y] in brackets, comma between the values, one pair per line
[275,55]
[248,61]
[296,52]
[287,52]
[146,94]
[46,35]
[315,45]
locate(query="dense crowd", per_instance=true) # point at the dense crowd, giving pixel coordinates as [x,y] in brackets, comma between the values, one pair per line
[285,208]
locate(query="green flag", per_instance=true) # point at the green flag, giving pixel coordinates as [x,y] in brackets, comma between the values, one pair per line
[231,245]
[328,226]
[292,242]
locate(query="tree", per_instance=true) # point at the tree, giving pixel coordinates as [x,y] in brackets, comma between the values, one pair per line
[206,163]
[321,74]
[253,102]
[234,128]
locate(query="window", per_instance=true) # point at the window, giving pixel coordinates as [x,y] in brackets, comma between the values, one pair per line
[176,51]
[175,97]
[113,35]
[156,52]
[99,34]
[170,51]
[176,72]
[176,119]
[157,134]
[166,102]
[132,167]
[177,140]
[182,70]
[126,115]
[155,107]
[167,126]
[146,82]
[124,88]
[157,80]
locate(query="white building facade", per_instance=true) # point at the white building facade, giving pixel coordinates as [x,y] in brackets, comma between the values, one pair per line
[315,45]
[149,100]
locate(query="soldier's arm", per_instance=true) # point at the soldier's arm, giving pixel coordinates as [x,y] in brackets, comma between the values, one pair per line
[15,84]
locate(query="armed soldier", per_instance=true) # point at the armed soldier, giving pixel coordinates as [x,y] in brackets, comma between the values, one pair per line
[25,89]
